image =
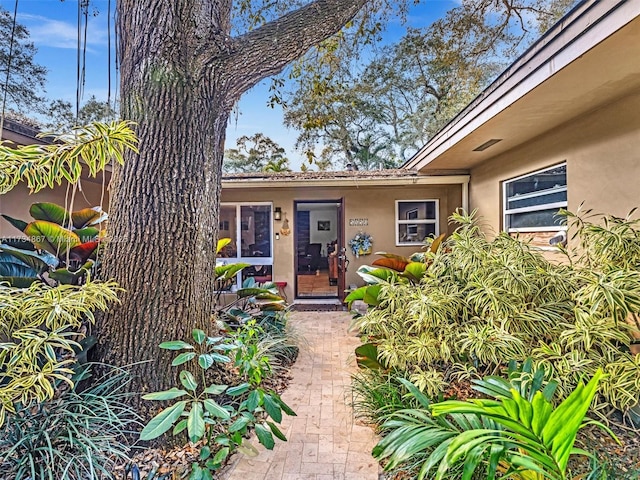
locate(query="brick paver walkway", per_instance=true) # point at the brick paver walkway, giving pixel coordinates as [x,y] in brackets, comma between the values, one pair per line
[324,441]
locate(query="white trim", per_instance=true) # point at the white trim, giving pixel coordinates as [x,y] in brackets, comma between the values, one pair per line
[535,208]
[344,182]
[535,172]
[557,228]
[425,221]
[238,240]
[537,193]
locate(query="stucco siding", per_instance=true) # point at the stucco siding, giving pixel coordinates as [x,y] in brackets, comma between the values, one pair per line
[376,204]
[602,152]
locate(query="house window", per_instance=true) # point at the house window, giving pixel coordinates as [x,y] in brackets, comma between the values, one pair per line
[250,228]
[531,202]
[415,221]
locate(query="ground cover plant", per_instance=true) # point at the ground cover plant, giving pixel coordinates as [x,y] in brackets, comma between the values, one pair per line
[465,308]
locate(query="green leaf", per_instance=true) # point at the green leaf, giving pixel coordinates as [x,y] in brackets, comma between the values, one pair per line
[19,224]
[87,234]
[215,389]
[239,425]
[216,410]
[163,421]
[220,457]
[253,400]
[367,357]
[272,408]
[51,237]
[195,422]
[180,426]
[183,358]
[165,395]
[176,345]
[205,452]
[49,212]
[357,294]
[38,261]
[198,336]
[187,379]
[415,271]
[238,389]
[87,217]
[276,431]
[285,408]
[265,437]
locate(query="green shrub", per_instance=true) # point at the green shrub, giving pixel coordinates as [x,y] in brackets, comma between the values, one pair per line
[79,435]
[40,330]
[484,302]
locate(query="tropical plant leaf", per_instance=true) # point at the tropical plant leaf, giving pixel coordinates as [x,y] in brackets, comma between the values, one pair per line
[165,395]
[176,345]
[393,262]
[357,294]
[272,408]
[163,421]
[226,272]
[19,224]
[265,437]
[188,380]
[49,212]
[184,357]
[223,242]
[51,237]
[216,410]
[238,389]
[87,217]
[20,243]
[367,357]
[215,389]
[38,261]
[87,234]
[433,248]
[70,277]
[82,252]
[195,422]
[414,271]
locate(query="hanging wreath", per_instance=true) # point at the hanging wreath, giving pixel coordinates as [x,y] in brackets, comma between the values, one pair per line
[361,244]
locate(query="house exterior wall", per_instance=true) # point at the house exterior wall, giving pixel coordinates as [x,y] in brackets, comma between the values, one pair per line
[375,203]
[17,202]
[602,153]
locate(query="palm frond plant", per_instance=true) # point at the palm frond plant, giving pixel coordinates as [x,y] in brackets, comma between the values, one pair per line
[518,434]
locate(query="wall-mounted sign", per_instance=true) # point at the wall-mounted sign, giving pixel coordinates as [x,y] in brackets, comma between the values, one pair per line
[358,222]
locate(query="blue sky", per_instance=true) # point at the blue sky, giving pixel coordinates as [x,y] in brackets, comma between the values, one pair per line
[53,28]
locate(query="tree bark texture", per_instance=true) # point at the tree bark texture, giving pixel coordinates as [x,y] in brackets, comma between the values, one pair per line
[181,74]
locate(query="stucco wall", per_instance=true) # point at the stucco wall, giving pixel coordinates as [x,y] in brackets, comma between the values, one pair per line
[16,203]
[377,204]
[602,152]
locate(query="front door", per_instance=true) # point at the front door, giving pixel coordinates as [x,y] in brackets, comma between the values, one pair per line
[318,239]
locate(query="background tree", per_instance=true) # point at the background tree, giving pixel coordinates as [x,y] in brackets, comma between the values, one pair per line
[26,78]
[380,115]
[257,153]
[60,114]
[184,65]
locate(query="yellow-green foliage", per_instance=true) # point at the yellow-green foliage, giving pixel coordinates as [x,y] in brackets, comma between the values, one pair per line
[38,332]
[483,303]
[93,147]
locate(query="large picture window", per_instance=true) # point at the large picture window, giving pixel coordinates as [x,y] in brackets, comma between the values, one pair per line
[531,202]
[415,221]
[250,228]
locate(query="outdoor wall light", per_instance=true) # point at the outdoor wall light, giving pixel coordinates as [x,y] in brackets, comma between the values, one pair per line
[277,214]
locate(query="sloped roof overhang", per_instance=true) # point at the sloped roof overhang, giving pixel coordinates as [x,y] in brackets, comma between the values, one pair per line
[588,59]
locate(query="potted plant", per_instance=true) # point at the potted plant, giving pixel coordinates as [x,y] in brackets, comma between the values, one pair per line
[361,244]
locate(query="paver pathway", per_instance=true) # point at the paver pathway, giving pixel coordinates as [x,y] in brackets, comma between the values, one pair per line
[325,443]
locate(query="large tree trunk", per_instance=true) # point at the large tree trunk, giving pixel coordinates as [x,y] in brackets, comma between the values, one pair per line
[181,75]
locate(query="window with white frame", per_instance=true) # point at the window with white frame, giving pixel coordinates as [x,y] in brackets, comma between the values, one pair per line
[415,221]
[531,202]
[250,228]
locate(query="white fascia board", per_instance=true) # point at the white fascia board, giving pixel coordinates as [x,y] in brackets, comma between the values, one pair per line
[350,182]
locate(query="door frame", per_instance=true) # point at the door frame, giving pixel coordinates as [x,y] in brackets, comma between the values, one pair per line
[339,203]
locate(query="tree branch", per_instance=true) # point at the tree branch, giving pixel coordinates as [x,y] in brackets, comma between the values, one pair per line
[267,50]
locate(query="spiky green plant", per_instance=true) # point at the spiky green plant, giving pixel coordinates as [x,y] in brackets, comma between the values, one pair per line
[79,435]
[482,302]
